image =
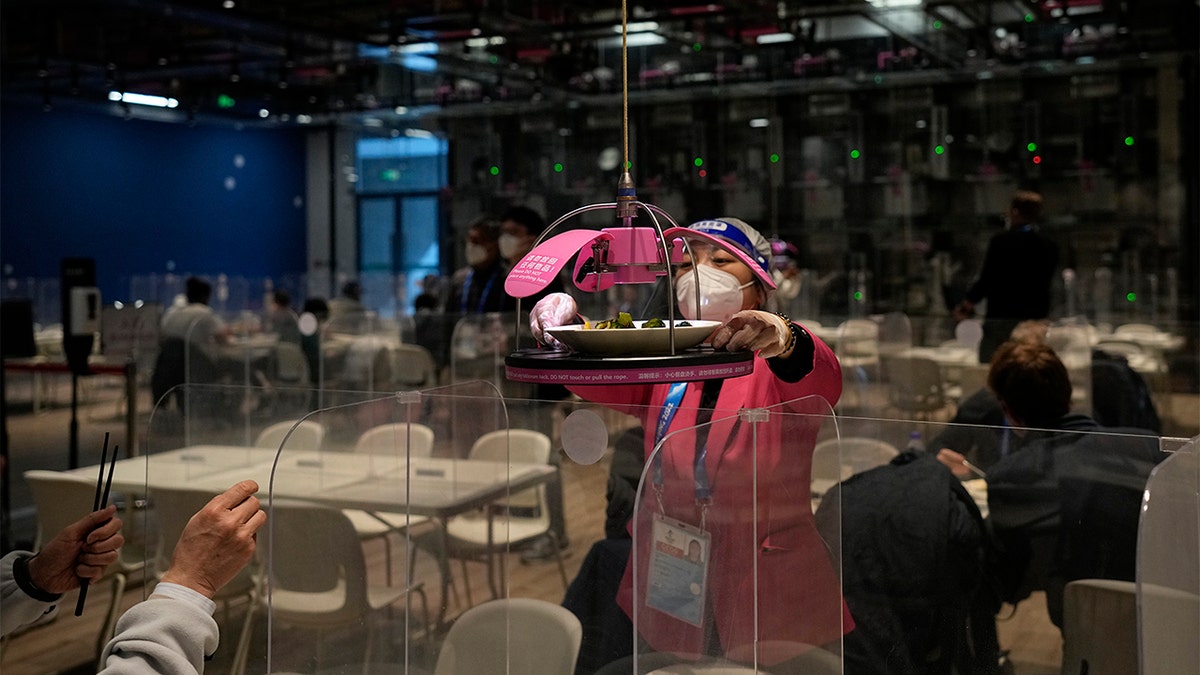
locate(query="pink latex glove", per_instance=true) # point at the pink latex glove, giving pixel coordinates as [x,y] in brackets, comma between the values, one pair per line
[552,311]
[752,329]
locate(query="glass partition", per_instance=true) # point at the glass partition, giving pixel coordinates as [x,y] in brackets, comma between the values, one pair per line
[1168,579]
[826,542]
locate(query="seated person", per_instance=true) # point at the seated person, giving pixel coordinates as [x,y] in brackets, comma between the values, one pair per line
[911,556]
[1063,464]
[1120,398]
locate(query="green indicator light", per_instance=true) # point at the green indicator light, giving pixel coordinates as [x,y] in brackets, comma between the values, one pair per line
[1032,147]
[878,79]
[495,170]
[937,25]
[390,175]
[1028,18]
[558,167]
[1132,297]
[628,165]
[858,295]
[1129,140]
[774,157]
[493,59]
[698,161]
[225,101]
[854,154]
[939,150]
[696,46]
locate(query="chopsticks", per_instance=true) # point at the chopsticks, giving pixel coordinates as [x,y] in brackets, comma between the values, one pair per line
[101,501]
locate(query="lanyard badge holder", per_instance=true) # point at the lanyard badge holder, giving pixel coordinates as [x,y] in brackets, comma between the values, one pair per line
[680,554]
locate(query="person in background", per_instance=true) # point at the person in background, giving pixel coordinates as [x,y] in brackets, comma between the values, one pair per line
[478,287]
[172,632]
[281,319]
[1063,504]
[520,226]
[1016,277]
[979,433]
[347,314]
[195,322]
[798,604]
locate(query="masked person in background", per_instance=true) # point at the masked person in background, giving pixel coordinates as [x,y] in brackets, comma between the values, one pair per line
[478,288]
[741,487]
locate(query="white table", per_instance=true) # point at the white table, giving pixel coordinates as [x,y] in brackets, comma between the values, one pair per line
[429,486]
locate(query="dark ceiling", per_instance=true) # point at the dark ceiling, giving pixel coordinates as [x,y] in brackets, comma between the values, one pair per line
[306,61]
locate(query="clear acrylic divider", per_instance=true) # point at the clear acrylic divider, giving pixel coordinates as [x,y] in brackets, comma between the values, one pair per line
[1168,573]
[372,505]
[730,569]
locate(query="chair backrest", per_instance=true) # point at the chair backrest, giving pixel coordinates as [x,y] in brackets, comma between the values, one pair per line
[1135,329]
[413,366]
[515,446]
[839,458]
[512,636]
[291,365]
[309,435]
[315,563]
[914,383]
[1100,627]
[61,499]
[391,438]
[857,338]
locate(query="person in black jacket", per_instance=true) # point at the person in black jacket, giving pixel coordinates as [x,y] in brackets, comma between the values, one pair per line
[1064,504]
[911,557]
[1016,277]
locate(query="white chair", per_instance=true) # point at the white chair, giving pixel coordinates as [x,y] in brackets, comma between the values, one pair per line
[61,499]
[836,459]
[915,385]
[309,435]
[317,577]
[390,439]
[1126,329]
[512,636]
[1100,627]
[508,524]
[412,366]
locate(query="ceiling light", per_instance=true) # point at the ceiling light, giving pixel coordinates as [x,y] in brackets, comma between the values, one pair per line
[775,38]
[635,40]
[264,113]
[885,4]
[143,99]
[760,123]
[638,27]
[304,119]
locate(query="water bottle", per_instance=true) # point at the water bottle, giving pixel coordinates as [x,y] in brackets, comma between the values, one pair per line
[915,443]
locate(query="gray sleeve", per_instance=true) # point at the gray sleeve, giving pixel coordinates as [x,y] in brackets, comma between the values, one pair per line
[19,608]
[164,636]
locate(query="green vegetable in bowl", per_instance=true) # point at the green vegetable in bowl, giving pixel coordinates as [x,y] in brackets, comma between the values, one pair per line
[654,323]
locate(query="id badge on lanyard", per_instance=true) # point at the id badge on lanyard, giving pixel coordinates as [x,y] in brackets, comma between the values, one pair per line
[678,569]
[679,554]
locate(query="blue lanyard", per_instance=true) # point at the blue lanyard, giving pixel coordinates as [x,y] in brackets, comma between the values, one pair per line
[483,295]
[700,470]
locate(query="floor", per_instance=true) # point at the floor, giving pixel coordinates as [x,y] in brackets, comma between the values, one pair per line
[40,440]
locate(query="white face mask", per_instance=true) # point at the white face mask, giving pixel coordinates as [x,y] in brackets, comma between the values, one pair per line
[476,253]
[721,299]
[511,246]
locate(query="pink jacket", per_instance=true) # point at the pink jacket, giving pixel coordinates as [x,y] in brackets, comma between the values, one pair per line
[799,599]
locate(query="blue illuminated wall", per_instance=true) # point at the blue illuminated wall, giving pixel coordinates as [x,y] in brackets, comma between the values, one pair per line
[138,196]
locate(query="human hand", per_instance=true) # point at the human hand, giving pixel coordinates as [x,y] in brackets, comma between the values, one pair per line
[955,461]
[218,541]
[756,330]
[552,311]
[80,551]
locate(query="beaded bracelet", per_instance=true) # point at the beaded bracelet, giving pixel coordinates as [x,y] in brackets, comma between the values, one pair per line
[792,333]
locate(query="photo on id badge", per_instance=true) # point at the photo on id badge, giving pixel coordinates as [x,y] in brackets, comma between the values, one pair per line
[678,569]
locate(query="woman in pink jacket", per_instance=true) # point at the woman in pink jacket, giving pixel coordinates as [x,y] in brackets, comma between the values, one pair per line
[709,486]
